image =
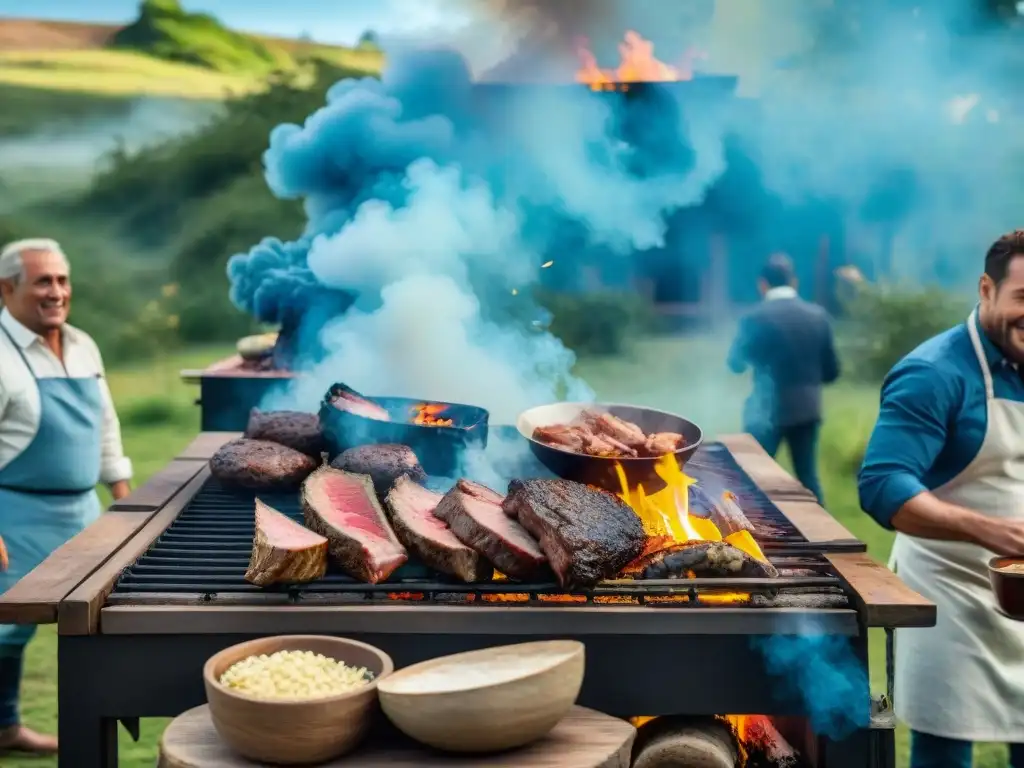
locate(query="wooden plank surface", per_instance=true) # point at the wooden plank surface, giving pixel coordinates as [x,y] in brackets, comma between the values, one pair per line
[206,444]
[160,488]
[79,612]
[34,599]
[770,477]
[881,597]
[583,739]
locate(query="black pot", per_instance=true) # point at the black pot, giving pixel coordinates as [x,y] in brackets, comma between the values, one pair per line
[441,450]
[599,471]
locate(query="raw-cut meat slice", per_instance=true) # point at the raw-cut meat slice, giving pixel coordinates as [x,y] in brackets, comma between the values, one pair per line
[343,507]
[345,398]
[260,465]
[294,429]
[587,534]
[384,463]
[410,508]
[283,551]
[474,514]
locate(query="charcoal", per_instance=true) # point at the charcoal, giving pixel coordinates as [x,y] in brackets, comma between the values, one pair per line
[703,559]
[587,534]
[261,465]
[474,514]
[283,551]
[410,509]
[384,464]
[342,507]
[294,429]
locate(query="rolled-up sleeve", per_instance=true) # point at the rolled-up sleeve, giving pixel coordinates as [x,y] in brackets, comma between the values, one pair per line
[916,408]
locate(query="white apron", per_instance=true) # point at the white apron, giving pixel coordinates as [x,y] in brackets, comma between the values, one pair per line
[964,678]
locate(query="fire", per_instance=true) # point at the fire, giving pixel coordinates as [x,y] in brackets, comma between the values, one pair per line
[638,64]
[666,518]
[426,415]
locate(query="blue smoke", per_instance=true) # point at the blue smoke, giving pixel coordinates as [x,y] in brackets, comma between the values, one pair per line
[823,674]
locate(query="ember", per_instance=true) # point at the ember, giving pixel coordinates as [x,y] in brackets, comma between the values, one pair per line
[426,415]
[638,65]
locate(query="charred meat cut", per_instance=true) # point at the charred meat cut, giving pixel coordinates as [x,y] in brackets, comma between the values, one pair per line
[260,465]
[343,507]
[475,516]
[611,426]
[661,443]
[293,429]
[410,508]
[587,534]
[702,559]
[383,463]
[283,551]
[726,514]
[345,398]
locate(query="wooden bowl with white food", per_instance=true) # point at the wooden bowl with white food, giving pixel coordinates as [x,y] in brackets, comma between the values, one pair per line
[488,700]
[294,699]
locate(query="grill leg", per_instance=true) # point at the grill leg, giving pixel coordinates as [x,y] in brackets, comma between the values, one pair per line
[87,740]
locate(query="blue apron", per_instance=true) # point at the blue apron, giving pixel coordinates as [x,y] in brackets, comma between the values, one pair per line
[48,492]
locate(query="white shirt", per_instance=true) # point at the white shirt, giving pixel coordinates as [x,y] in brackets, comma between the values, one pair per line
[20,408]
[780,292]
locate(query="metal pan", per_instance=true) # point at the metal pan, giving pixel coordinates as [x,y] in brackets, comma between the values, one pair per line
[595,470]
[439,449]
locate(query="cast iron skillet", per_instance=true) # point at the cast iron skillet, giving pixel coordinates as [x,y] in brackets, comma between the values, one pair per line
[439,449]
[594,470]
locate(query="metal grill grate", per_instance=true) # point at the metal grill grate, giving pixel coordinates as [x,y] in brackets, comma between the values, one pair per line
[205,551]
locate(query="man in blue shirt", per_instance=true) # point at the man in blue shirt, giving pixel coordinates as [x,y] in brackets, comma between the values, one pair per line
[789,344]
[945,469]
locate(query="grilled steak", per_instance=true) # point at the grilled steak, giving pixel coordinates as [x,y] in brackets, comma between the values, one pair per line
[345,398]
[260,465]
[343,507]
[410,508]
[383,463]
[702,559]
[284,551]
[294,429]
[474,514]
[587,534]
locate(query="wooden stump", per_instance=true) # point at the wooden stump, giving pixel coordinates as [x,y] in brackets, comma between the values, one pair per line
[672,743]
[584,739]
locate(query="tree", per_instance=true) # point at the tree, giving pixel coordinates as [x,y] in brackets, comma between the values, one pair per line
[369,40]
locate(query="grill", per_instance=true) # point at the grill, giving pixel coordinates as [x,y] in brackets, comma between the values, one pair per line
[166,594]
[205,551]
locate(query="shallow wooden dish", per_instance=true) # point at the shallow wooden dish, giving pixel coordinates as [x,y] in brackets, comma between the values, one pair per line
[488,700]
[295,732]
[1007,586]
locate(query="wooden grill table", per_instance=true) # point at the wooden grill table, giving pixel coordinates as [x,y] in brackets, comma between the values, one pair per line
[584,739]
[129,653]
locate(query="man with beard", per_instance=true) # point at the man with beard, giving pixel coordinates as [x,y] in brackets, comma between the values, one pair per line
[945,469]
[59,437]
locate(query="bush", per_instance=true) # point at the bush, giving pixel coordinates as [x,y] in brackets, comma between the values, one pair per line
[600,323]
[883,323]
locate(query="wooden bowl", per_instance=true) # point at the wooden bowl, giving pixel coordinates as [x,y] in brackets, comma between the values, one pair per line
[486,701]
[598,470]
[295,732]
[1008,586]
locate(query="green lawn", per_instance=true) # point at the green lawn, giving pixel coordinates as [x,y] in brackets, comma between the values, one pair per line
[684,376]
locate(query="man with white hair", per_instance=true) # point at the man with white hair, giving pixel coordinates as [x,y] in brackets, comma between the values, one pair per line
[59,438]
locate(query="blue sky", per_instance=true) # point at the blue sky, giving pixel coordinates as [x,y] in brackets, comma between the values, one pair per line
[335,21]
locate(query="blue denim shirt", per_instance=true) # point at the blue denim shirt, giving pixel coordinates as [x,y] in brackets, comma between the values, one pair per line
[932,420]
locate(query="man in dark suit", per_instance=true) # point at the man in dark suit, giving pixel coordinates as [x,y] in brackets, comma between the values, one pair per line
[788,343]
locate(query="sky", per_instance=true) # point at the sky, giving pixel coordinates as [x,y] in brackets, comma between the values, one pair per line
[329,21]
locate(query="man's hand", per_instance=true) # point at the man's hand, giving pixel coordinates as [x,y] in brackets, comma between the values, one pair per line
[1004,537]
[120,489]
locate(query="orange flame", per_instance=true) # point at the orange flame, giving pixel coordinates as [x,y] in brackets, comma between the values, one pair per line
[426,415]
[666,519]
[638,64]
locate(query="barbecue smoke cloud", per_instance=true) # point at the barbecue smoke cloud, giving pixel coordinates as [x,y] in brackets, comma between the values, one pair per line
[821,672]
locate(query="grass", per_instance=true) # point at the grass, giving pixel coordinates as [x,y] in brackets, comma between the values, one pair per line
[158,419]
